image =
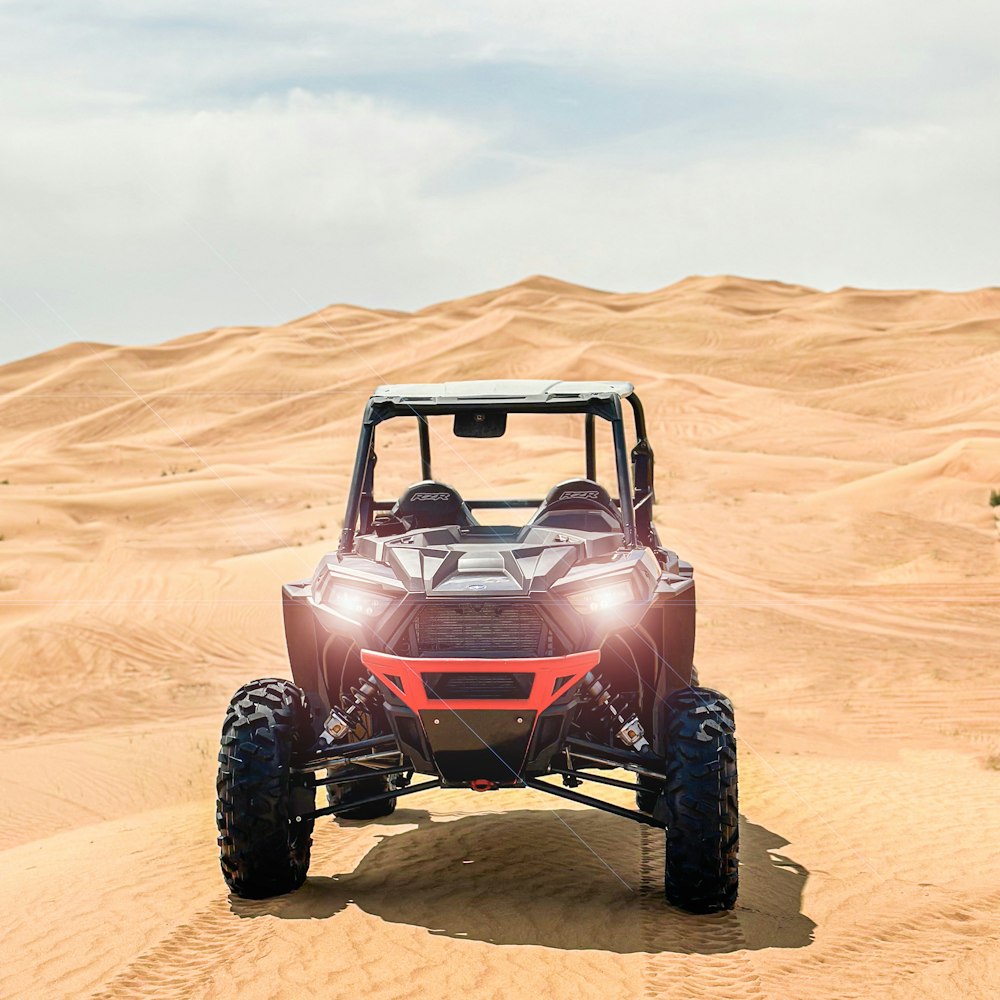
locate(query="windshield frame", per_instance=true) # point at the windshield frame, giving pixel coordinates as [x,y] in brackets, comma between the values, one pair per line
[361,504]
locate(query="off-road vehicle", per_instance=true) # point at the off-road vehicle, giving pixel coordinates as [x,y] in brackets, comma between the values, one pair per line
[539,655]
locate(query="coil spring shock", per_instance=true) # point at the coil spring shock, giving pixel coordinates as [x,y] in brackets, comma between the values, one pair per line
[343,720]
[618,711]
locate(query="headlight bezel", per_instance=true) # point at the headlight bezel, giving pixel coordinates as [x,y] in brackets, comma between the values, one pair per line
[603,596]
[352,601]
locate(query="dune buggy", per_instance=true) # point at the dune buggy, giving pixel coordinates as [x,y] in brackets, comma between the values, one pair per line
[544,655]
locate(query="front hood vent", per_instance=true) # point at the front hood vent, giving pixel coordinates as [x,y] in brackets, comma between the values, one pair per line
[481,629]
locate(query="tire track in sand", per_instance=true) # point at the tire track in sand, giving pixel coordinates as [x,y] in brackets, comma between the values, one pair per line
[188,957]
[688,955]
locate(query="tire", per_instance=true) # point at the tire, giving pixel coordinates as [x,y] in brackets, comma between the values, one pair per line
[344,794]
[700,802]
[263,851]
[648,794]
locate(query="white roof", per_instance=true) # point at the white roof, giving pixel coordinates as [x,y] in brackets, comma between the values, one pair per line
[501,389]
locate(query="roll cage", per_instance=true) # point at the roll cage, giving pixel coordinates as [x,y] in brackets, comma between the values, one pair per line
[634,469]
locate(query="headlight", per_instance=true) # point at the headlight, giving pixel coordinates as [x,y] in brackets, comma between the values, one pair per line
[355,604]
[603,597]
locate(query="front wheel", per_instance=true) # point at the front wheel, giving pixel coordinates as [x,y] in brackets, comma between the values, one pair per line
[700,802]
[264,846]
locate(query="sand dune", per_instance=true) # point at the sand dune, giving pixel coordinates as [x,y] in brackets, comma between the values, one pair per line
[824,459]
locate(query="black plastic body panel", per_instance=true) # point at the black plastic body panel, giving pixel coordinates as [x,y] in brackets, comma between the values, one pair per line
[407,729]
[549,737]
[478,744]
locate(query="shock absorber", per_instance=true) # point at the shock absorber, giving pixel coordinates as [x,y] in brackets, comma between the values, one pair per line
[630,730]
[343,720]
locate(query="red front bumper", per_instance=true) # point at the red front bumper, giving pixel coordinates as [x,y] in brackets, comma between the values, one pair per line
[553,676]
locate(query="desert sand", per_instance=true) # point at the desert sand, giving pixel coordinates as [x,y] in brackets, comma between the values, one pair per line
[825,461]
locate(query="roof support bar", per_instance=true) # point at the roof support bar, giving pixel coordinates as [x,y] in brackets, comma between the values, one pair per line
[591,439]
[425,446]
[357,480]
[624,485]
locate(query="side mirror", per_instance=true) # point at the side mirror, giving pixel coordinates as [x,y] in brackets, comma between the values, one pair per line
[480,423]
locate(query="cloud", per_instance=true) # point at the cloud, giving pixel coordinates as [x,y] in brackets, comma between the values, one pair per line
[886,207]
[300,160]
[118,216]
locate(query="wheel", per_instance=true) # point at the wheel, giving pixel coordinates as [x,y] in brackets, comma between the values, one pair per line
[345,794]
[263,850]
[700,802]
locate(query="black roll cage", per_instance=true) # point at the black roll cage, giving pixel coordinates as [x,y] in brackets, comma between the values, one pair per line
[636,499]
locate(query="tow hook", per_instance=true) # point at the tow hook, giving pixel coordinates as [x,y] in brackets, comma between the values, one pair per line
[482,785]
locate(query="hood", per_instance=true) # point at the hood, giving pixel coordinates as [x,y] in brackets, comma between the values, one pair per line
[446,563]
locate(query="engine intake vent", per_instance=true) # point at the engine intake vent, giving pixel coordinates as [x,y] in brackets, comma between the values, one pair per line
[481,628]
[478,686]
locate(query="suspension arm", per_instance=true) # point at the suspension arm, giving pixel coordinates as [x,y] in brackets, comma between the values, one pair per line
[613,755]
[361,774]
[326,754]
[633,786]
[354,803]
[589,800]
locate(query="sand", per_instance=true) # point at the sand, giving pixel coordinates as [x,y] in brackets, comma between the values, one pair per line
[824,459]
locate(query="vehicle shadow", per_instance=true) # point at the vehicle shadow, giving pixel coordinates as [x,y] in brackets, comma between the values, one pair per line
[547,877]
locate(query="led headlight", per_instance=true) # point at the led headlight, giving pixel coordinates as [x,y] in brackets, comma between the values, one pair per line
[356,604]
[603,597]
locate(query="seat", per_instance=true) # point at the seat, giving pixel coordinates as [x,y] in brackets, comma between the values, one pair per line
[430,504]
[578,503]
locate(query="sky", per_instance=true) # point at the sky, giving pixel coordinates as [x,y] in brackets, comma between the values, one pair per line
[167,167]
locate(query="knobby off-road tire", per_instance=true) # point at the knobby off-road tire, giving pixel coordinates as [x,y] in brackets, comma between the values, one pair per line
[263,852]
[700,802]
[345,794]
[649,793]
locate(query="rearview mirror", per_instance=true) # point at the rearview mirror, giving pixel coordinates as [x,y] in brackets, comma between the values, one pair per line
[480,423]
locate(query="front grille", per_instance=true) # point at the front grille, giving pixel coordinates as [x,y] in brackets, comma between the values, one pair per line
[481,628]
[456,686]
